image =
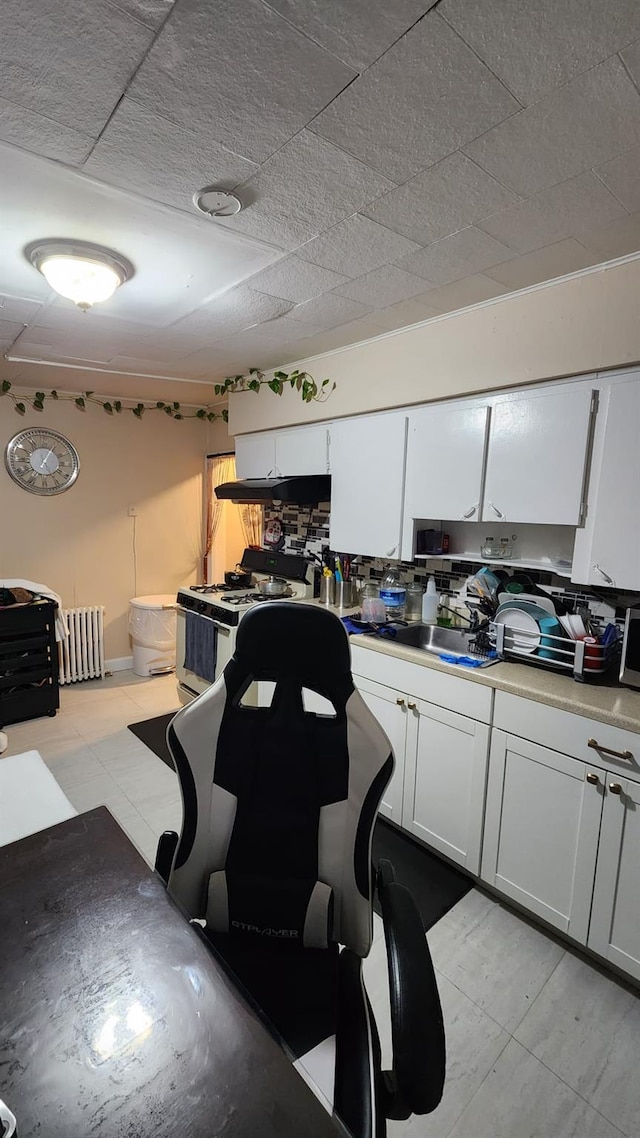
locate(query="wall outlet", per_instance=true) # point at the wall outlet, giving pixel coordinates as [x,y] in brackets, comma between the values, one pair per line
[132,511]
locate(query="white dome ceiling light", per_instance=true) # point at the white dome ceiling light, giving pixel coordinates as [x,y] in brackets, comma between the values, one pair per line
[80,271]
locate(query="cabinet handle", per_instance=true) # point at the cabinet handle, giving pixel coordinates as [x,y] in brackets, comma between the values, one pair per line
[390,552]
[595,746]
[411,706]
[615,788]
[400,702]
[496,511]
[602,573]
[593,778]
[470,512]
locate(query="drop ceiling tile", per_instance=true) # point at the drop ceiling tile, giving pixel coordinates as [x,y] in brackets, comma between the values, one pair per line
[149,12]
[463,293]
[293,279]
[358,31]
[617,239]
[446,197]
[356,246]
[271,228]
[631,57]
[422,100]
[312,183]
[327,311]
[235,310]
[536,45]
[456,256]
[42,135]
[382,287]
[553,214]
[141,151]
[403,314]
[136,365]
[353,333]
[622,177]
[69,60]
[9,329]
[543,264]
[19,308]
[593,118]
[247,70]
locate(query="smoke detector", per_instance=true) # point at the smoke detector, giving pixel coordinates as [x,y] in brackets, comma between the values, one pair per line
[216,203]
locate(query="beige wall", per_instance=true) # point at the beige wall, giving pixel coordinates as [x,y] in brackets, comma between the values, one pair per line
[576,325]
[80,543]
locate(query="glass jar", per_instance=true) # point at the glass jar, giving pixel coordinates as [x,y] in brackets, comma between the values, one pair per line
[393,593]
[413,603]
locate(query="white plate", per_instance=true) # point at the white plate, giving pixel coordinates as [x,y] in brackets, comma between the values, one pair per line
[517,620]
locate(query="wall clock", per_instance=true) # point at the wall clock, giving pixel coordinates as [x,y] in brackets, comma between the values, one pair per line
[42,461]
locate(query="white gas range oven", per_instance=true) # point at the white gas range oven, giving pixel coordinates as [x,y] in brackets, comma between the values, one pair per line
[224,608]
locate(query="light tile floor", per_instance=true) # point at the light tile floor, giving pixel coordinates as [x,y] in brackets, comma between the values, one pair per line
[541,1044]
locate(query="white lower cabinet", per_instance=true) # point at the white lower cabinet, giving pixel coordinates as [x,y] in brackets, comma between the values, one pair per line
[438,786]
[614,931]
[541,831]
[562,838]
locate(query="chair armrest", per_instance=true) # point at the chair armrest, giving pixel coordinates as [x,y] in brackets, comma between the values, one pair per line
[416,1083]
[167,844]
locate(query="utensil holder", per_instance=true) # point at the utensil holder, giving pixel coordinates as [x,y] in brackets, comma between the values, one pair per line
[327,590]
[343,595]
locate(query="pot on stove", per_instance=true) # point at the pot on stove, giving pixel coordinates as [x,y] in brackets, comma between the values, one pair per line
[238,578]
[273,587]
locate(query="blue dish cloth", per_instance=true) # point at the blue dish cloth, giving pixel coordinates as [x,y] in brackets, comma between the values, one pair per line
[201,647]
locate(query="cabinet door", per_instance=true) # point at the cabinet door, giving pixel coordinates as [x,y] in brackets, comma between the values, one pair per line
[255,455]
[302,450]
[615,918]
[445,455]
[444,784]
[541,831]
[367,484]
[614,512]
[390,709]
[536,458]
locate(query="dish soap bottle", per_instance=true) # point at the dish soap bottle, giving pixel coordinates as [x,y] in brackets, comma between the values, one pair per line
[430,603]
[394,594]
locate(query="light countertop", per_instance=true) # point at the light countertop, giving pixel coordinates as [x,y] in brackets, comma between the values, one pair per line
[607,702]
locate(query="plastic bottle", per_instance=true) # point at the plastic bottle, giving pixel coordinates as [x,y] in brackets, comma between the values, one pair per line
[393,593]
[430,603]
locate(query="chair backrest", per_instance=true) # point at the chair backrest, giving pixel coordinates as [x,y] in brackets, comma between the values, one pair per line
[279,802]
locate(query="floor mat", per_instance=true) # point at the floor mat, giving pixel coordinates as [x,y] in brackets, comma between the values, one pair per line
[152,732]
[436,886]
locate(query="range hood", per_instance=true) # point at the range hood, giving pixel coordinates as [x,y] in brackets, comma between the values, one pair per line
[303,490]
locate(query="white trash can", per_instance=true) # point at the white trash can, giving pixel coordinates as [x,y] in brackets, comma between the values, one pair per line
[152,625]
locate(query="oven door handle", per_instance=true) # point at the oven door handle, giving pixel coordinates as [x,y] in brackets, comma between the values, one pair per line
[203,616]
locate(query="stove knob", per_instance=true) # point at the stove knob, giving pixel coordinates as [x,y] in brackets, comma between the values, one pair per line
[202,606]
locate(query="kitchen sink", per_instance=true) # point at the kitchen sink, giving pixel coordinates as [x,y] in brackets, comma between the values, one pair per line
[432,638]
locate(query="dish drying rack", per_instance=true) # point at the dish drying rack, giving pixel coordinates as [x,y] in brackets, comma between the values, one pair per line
[586,662]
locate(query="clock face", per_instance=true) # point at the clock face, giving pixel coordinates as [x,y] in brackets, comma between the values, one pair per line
[42,461]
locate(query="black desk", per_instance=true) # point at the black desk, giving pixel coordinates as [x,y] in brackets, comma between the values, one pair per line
[115,1019]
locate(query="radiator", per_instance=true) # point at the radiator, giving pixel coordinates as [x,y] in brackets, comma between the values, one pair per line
[82,651]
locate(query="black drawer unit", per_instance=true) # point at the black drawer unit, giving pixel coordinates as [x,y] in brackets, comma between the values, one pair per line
[28,662]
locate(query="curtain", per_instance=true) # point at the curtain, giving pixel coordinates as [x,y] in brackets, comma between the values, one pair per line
[220,469]
[252,520]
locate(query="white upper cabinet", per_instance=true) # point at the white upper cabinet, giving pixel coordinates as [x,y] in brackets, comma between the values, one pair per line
[255,455]
[367,459]
[445,453]
[608,551]
[536,457]
[301,450]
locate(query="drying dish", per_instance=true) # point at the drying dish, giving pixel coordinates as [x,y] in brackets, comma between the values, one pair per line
[523,630]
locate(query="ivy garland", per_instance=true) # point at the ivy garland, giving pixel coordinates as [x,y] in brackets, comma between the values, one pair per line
[301,380]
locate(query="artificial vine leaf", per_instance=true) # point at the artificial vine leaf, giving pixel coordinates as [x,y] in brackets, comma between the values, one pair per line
[21,408]
[325,382]
[54,394]
[88,394]
[117,406]
[38,405]
[160,405]
[137,412]
[6,386]
[168,410]
[108,408]
[40,396]
[225,415]
[201,414]
[79,402]
[176,406]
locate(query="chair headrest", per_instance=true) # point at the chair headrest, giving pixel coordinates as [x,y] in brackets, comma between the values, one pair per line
[287,639]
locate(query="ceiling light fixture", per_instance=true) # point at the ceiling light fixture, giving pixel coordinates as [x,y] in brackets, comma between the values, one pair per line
[216,203]
[80,271]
